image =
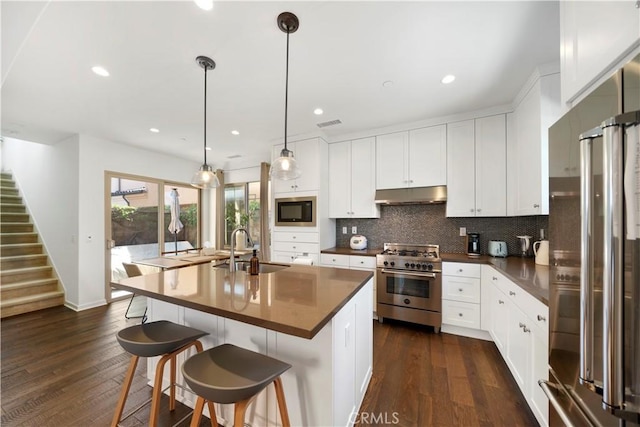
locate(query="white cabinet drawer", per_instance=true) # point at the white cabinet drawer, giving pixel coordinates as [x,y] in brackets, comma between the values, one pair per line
[296,247]
[290,257]
[358,261]
[461,314]
[462,269]
[287,236]
[334,260]
[464,289]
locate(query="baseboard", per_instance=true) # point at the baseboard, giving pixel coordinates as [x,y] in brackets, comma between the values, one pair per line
[466,332]
[75,307]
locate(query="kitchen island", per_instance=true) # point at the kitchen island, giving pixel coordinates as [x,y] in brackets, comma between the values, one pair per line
[317,319]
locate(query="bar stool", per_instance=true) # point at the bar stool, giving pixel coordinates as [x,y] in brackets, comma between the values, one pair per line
[230,374]
[161,338]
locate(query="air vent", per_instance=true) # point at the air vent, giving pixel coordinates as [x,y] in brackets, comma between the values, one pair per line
[329,123]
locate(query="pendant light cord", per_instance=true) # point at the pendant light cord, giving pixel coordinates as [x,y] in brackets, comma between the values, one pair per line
[286,93]
[205,114]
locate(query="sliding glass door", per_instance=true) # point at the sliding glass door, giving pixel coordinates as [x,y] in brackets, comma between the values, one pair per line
[142,223]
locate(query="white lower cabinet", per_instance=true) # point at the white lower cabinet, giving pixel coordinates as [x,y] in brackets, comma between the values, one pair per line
[288,246]
[352,262]
[461,295]
[518,326]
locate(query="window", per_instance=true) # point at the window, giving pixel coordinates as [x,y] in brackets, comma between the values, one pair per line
[242,209]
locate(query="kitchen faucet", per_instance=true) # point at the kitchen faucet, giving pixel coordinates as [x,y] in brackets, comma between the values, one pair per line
[232,261]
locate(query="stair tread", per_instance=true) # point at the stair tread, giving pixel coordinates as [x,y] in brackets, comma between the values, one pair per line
[24,269]
[28,283]
[30,298]
[18,245]
[16,257]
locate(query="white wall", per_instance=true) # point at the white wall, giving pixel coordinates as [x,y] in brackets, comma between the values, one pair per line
[64,187]
[96,157]
[48,179]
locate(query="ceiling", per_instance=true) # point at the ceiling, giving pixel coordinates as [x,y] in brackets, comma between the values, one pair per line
[339,59]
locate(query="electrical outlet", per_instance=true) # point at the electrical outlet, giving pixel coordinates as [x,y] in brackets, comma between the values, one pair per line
[354,230]
[344,230]
[463,231]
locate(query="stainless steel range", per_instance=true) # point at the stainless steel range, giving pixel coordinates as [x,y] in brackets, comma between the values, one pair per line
[409,284]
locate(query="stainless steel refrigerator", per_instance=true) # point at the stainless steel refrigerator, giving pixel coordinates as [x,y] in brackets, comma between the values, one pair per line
[594,237]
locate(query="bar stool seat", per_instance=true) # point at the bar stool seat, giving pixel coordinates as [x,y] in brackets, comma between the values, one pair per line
[161,338]
[230,374]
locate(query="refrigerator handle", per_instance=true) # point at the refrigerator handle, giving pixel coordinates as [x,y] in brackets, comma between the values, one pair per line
[586,262]
[612,280]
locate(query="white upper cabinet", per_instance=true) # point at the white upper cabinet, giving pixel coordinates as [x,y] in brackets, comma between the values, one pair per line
[428,156]
[491,166]
[594,36]
[416,158]
[307,153]
[461,198]
[352,179]
[536,112]
[392,152]
[476,167]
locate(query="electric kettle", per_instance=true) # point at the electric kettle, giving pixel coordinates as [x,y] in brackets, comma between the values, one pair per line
[541,250]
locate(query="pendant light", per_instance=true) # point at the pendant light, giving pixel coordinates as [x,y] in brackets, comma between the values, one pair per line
[205,178]
[285,167]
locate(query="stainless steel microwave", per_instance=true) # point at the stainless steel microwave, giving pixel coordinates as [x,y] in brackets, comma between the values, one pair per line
[296,211]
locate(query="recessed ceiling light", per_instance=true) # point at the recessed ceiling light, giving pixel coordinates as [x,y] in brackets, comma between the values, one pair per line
[154,130]
[204,4]
[318,111]
[387,83]
[448,79]
[208,148]
[235,132]
[101,71]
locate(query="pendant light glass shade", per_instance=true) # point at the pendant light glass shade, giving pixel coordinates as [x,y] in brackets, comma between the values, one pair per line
[285,167]
[205,178]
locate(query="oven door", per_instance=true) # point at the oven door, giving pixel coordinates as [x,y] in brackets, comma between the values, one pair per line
[409,289]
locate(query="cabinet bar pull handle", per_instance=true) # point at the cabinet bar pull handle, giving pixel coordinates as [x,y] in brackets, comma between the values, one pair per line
[512,293]
[541,318]
[500,301]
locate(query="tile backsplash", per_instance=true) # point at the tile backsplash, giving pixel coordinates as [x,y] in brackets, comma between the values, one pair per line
[429,224]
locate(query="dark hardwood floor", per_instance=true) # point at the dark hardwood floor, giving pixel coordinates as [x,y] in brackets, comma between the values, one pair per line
[62,368]
[425,379]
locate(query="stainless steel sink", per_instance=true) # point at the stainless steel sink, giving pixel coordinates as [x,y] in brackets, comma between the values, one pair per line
[264,267]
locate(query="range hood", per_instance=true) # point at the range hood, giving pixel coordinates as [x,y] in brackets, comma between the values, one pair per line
[412,196]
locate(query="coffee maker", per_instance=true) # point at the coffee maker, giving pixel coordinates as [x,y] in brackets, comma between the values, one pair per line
[473,245]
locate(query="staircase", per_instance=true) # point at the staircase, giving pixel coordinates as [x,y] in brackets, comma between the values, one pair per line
[27,280]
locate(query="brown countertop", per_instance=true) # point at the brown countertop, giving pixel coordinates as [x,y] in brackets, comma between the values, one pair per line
[524,272]
[349,251]
[297,300]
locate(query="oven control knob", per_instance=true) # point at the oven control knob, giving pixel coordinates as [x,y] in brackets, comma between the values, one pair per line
[413,265]
[407,301]
[386,263]
[429,267]
[393,263]
[406,264]
[424,266]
